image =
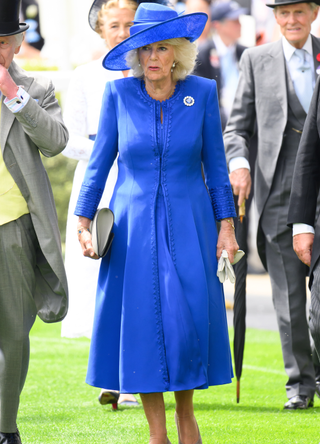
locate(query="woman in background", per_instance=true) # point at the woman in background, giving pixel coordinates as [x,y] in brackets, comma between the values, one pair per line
[112,21]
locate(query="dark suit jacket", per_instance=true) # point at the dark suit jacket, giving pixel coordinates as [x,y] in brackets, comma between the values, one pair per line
[306,178]
[204,68]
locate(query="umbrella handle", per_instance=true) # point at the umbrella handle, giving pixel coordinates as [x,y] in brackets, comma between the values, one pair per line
[242,210]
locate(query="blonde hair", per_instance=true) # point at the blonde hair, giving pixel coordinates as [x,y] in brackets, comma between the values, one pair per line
[105,8]
[185,54]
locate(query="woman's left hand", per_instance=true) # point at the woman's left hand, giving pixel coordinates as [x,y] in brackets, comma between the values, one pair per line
[227,239]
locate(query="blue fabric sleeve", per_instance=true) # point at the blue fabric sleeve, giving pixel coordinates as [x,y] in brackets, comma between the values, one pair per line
[214,160]
[101,160]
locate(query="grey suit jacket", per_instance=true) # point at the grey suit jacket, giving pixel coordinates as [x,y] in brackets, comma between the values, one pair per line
[38,127]
[261,98]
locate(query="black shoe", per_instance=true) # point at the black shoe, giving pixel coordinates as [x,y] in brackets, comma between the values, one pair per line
[318,389]
[298,402]
[10,438]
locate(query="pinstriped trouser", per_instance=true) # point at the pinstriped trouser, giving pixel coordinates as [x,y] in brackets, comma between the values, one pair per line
[18,249]
[314,313]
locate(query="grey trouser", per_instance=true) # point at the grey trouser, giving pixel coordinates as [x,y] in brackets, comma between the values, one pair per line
[288,280]
[314,313]
[18,249]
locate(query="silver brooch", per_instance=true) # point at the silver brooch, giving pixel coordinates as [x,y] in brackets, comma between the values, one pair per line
[188,101]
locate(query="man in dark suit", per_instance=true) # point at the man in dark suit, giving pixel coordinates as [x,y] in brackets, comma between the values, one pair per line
[275,87]
[32,275]
[219,56]
[304,201]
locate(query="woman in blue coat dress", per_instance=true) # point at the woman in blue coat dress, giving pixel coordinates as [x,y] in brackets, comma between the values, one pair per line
[160,322]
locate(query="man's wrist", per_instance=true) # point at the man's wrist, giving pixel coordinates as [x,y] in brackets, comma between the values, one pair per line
[13,92]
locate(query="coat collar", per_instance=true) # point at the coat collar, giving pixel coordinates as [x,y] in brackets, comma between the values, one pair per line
[276,74]
[276,71]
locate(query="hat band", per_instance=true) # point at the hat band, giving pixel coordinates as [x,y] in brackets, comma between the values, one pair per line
[7,27]
[140,26]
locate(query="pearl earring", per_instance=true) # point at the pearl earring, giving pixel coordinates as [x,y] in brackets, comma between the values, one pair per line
[173,66]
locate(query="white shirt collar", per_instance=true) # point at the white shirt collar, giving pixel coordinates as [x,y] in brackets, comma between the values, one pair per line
[221,48]
[288,49]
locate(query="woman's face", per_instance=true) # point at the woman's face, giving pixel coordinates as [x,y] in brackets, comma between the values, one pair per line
[156,61]
[117,23]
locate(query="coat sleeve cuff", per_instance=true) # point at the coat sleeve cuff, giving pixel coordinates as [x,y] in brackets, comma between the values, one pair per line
[88,201]
[17,103]
[238,162]
[298,228]
[222,202]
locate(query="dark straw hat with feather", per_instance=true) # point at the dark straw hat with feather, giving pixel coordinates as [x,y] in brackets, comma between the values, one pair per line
[97,5]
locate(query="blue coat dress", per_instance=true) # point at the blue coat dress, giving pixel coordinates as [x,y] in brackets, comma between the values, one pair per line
[160,320]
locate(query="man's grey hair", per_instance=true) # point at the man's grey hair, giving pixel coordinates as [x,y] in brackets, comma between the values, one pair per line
[19,38]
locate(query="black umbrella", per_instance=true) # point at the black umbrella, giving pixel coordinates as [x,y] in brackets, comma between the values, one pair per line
[239,308]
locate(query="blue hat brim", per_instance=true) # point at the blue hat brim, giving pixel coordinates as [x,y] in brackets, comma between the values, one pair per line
[189,26]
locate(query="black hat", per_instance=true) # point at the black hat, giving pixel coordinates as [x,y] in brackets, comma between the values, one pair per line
[226,10]
[289,2]
[9,18]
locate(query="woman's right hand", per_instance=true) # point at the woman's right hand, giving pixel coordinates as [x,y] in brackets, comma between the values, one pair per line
[85,237]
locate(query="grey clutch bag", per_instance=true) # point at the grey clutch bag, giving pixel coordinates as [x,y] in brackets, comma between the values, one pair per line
[101,231]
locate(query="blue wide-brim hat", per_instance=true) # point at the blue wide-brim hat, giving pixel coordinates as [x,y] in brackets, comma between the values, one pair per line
[153,23]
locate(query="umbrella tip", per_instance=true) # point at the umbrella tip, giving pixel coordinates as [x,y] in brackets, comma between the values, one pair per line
[238,391]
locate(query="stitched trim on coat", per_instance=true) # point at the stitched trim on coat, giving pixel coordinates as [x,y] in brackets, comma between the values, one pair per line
[222,202]
[88,201]
[154,251]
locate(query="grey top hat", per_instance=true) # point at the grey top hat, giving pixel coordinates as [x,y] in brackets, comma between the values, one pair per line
[9,18]
[290,2]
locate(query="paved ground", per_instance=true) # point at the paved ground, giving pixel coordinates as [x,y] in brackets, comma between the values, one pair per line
[260,311]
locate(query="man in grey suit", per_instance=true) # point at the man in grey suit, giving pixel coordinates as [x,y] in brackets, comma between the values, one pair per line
[32,274]
[274,91]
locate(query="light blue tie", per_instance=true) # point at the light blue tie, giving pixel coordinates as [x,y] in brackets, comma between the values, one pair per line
[303,79]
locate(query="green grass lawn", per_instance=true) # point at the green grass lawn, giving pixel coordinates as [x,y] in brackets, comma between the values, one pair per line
[58,407]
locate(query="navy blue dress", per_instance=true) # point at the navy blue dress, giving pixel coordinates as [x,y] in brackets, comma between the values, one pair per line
[160,322]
